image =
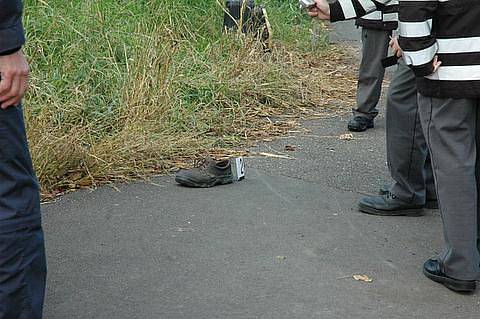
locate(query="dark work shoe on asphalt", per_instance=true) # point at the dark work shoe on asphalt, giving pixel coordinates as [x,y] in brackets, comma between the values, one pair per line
[359,124]
[431,203]
[388,205]
[433,270]
[208,173]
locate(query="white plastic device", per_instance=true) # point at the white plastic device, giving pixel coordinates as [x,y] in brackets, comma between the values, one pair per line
[238,168]
[305,4]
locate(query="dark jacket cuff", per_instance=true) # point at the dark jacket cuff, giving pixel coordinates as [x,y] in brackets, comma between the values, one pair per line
[11,38]
[12,51]
[336,12]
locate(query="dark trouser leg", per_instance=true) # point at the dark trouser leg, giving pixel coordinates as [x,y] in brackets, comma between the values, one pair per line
[22,253]
[477,175]
[22,274]
[370,78]
[406,147]
[451,128]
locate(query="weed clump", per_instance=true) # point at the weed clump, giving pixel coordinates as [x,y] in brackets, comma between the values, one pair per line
[125,89]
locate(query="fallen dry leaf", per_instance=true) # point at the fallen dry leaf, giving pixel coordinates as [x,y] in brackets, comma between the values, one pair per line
[346,137]
[363,278]
[272,155]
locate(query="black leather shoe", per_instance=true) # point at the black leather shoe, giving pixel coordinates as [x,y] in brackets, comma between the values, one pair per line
[431,203]
[359,124]
[432,270]
[388,205]
[208,173]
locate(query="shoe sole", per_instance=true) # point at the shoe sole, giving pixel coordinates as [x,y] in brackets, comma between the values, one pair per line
[378,212]
[215,182]
[452,284]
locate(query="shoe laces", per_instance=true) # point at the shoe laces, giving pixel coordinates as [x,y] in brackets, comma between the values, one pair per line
[390,195]
[204,164]
[201,163]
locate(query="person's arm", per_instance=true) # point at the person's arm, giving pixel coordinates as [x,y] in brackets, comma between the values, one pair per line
[14,68]
[416,40]
[340,10]
[351,9]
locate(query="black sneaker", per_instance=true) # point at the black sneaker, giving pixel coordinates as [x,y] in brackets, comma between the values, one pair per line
[388,205]
[359,124]
[432,269]
[432,202]
[208,173]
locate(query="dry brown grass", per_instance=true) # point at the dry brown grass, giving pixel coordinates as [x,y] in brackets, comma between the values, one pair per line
[111,112]
[142,143]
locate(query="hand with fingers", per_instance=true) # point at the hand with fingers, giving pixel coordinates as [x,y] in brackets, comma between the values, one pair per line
[436,64]
[395,46]
[321,10]
[397,50]
[14,76]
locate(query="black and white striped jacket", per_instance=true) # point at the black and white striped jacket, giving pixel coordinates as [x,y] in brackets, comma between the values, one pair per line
[449,29]
[376,14]
[384,19]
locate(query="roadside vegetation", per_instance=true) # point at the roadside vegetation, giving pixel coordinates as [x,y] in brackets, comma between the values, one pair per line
[122,89]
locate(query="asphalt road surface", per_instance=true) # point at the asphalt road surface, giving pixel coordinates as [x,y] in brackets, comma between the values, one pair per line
[282,244]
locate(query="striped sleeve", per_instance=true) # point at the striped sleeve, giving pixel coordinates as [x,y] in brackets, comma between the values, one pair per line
[351,9]
[415,34]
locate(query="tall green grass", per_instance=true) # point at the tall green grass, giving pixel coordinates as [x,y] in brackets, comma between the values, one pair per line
[124,88]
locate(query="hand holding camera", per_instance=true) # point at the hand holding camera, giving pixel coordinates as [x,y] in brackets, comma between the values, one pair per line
[316,8]
[305,4]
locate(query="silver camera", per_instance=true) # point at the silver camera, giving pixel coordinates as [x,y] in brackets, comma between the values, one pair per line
[306,4]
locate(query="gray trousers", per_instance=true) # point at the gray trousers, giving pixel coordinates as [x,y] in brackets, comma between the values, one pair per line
[371,73]
[407,153]
[452,129]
